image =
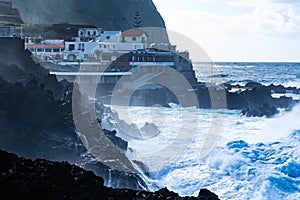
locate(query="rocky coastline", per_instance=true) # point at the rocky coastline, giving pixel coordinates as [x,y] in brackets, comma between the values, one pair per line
[253,99]
[36,121]
[22,178]
[36,118]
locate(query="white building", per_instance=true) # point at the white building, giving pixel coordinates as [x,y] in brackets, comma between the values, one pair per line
[111,36]
[79,51]
[103,45]
[134,36]
[49,49]
[89,33]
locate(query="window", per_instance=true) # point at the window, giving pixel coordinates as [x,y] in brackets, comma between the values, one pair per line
[39,50]
[106,57]
[133,38]
[94,32]
[79,46]
[48,50]
[81,33]
[88,33]
[71,47]
[108,37]
[55,50]
[82,47]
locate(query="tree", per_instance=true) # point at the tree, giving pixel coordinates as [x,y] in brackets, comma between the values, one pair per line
[137,20]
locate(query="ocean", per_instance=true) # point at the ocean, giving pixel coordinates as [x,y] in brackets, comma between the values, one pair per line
[232,155]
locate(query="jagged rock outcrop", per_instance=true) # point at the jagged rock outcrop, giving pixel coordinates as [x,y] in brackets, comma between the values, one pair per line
[254,99]
[36,118]
[112,15]
[41,179]
[262,110]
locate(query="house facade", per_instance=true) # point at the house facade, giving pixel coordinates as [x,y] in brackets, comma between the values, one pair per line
[103,46]
[79,51]
[134,36]
[50,49]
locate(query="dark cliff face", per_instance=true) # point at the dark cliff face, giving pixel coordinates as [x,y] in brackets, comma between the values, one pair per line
[108,14]
[36,117]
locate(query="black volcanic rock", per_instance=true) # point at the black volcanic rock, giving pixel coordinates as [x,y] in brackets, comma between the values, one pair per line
[36,118]
[260,111]
[16,64]
[113,14]
[205,194]
[41,179]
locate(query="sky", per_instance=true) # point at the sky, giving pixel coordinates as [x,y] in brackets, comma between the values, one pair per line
[238,30]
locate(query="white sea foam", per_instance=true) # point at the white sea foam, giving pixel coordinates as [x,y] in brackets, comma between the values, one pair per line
[254,158]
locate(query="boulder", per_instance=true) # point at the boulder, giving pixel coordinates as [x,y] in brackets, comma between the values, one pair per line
[262,110]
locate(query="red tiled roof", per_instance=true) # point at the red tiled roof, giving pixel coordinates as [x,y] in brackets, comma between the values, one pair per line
[46,46]
[133,33]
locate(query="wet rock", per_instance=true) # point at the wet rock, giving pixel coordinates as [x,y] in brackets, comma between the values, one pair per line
[120,143]
[253,85]
[36,118]
[41,179]
[205,194]
[260,111]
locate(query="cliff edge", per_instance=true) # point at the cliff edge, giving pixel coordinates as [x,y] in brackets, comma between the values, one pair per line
[112,15]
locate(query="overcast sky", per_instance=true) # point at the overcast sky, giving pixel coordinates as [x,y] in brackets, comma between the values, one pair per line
[238,30]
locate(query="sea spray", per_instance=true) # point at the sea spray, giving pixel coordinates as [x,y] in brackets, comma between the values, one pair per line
[280,127]
[243,165]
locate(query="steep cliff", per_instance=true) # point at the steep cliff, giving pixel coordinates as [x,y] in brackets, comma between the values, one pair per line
[112,14]
[9,15]
[36,117]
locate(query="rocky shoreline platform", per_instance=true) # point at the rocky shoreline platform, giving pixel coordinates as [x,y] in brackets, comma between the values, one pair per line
[22,178]
[36,121]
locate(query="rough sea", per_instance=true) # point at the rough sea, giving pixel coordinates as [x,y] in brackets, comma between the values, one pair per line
[234,156]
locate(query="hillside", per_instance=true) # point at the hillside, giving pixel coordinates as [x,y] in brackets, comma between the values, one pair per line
[9,15]
[112,14]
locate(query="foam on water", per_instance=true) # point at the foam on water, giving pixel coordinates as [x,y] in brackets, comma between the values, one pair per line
[254,158]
